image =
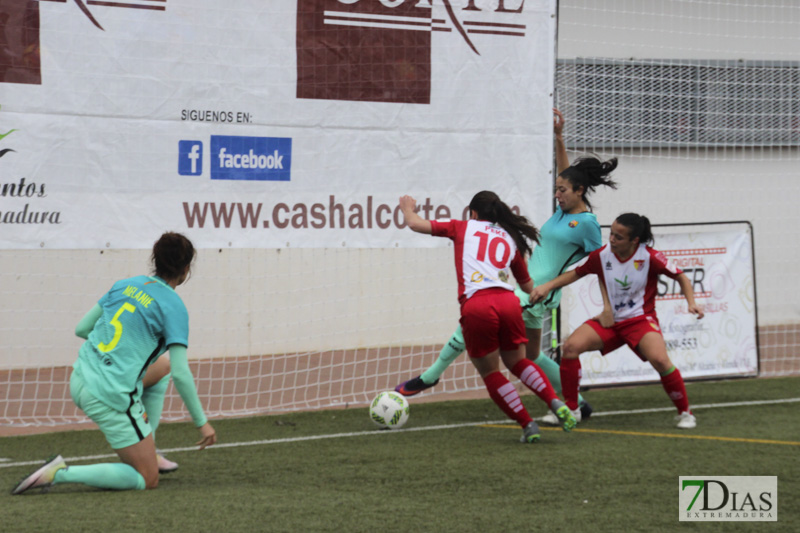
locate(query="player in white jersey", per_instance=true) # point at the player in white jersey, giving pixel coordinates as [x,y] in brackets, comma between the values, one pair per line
[565,238]
[489,247]
[629,270]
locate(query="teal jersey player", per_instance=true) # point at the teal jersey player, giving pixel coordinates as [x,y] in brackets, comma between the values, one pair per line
[119,379]
[565,239]
[570,234]
[141,316]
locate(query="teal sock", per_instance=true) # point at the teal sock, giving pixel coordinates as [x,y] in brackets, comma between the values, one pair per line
[153,401]
[553,372]
[114,476]
[452,349]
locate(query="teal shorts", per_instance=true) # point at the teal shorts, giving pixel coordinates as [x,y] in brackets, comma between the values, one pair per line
[534,316]
[122,429]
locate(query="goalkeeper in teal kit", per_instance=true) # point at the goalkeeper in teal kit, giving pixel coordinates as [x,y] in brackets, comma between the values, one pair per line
[567,237]
[131,326]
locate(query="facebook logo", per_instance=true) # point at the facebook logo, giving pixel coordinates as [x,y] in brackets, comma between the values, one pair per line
[250,158]
[190,158]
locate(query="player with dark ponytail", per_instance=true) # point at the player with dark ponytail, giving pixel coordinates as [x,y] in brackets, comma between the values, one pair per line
[490,207]
[489,247]
[638,227]
[130,327]
[628,268]
[587,173]
[566,238]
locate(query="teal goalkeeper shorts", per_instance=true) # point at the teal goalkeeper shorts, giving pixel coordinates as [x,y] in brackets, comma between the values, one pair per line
[122,429]
[533,316]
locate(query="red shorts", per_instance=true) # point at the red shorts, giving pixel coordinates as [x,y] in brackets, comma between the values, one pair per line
[492,319]
[628,332]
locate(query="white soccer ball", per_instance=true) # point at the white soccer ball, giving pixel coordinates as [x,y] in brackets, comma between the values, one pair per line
[389,410]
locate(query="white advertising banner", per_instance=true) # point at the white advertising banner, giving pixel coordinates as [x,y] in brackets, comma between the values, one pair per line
[267,124]
[723,343]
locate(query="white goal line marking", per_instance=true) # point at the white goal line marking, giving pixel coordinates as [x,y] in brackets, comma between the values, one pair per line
[377,432]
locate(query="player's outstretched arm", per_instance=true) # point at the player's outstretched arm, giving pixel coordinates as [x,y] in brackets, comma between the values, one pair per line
[86,325]
[688,293]
[606,316]
[207,436]
[527,286]
[408,206]
[540,293]
[562,160]
[184,382]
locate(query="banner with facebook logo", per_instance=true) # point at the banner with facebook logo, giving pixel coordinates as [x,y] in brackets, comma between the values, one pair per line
[287,123]
[250,158]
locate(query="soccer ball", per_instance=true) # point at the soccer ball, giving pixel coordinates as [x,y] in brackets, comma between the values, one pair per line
[389,410]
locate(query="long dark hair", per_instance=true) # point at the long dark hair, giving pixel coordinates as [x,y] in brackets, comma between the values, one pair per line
[638,226]
[490,207]
[589,172]
[172,253]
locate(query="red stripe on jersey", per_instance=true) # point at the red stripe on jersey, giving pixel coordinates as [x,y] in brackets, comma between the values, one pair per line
[658,265]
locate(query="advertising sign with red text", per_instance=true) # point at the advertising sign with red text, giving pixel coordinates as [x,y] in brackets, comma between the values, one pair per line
[268,124]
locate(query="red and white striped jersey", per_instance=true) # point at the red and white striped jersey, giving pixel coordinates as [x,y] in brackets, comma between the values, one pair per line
[485,255]
[631,283]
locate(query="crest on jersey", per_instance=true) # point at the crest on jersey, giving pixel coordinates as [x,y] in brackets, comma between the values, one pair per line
[573,223]
[638,264]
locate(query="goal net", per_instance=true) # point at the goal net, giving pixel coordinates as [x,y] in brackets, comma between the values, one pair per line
[278,137]
[700,101]
[308,293]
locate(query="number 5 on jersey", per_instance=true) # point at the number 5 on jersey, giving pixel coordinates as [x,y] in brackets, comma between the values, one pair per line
[117,328]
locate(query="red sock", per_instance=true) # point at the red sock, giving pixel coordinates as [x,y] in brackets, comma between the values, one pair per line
[571,381]
[505,395]
[532,376]
[676,390]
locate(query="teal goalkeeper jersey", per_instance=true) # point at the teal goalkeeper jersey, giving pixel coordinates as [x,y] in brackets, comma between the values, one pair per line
[564,240]
[141,317]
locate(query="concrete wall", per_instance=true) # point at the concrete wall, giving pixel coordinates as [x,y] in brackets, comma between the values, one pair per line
[250,302]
